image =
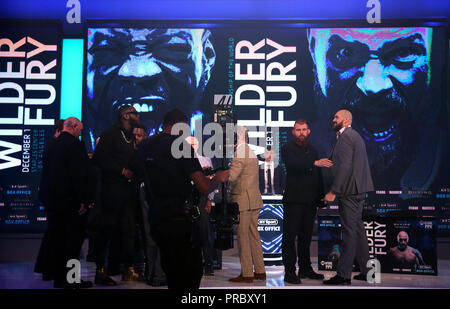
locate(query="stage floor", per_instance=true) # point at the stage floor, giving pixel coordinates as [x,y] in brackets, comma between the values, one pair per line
[20,275]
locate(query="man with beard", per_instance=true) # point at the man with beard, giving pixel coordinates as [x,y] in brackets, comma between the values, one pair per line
[113,156]
[304,189]
[351,181]
[152,69]
[404,256]
[382,76]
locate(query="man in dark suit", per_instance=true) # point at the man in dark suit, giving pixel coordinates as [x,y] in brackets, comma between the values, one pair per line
[304,189]
[351,181]
[115,238]
[68,200]
[41,266]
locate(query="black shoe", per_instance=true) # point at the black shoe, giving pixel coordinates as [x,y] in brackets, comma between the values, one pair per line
[47,277]
[291,277]
[310,274]
[337,280]
[208,271]
[101,278]
[361,277]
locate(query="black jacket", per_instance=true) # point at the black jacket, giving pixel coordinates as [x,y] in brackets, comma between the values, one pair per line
[114,152]
[66,175]
[304,182]
[44,186]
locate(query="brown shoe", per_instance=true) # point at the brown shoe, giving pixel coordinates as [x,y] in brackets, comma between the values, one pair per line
[240,278]
[260,276]
[131,275]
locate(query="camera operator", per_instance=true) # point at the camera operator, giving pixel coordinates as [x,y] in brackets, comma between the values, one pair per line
[206,202]
[170,184]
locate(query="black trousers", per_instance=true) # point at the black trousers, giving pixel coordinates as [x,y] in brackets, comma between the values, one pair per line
[155,273]
[181,260]
[41,266]
[207,238]
[65,238]
[117,221]
[298,222]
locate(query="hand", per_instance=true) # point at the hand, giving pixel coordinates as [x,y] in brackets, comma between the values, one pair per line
[208,206]
[127,173]
[323,163]
[329,197]
[82,210]
[223,176]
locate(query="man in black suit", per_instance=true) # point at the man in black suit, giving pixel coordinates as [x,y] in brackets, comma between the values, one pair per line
[67,179]
[304,189]
[351,181]
[41,266]
[119,197]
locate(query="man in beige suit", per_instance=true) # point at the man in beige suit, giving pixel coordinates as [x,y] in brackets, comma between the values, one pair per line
[244,179]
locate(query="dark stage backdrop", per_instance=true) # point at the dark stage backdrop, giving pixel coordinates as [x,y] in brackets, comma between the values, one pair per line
[392,78]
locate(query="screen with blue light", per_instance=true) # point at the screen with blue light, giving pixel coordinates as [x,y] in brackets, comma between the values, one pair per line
[391,79]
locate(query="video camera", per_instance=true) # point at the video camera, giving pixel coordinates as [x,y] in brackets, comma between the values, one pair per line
[224,214]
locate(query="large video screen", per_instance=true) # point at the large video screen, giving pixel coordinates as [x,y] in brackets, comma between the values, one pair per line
[392,79]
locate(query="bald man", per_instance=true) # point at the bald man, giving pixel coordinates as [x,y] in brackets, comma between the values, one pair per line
[403,255]
[69,198]
[351,181]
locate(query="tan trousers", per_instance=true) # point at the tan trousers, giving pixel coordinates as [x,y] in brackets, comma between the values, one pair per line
[249,243]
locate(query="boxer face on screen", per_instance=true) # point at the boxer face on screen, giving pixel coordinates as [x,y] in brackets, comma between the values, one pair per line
[381,76]
[402,239]
[154,70]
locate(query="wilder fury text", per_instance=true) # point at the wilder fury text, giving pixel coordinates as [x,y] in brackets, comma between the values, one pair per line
[265,78]
[27,89]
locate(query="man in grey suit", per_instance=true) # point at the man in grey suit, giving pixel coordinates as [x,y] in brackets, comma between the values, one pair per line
[351,181]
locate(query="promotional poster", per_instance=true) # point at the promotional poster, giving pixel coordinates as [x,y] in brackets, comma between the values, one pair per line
[400,245]
[30,68]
